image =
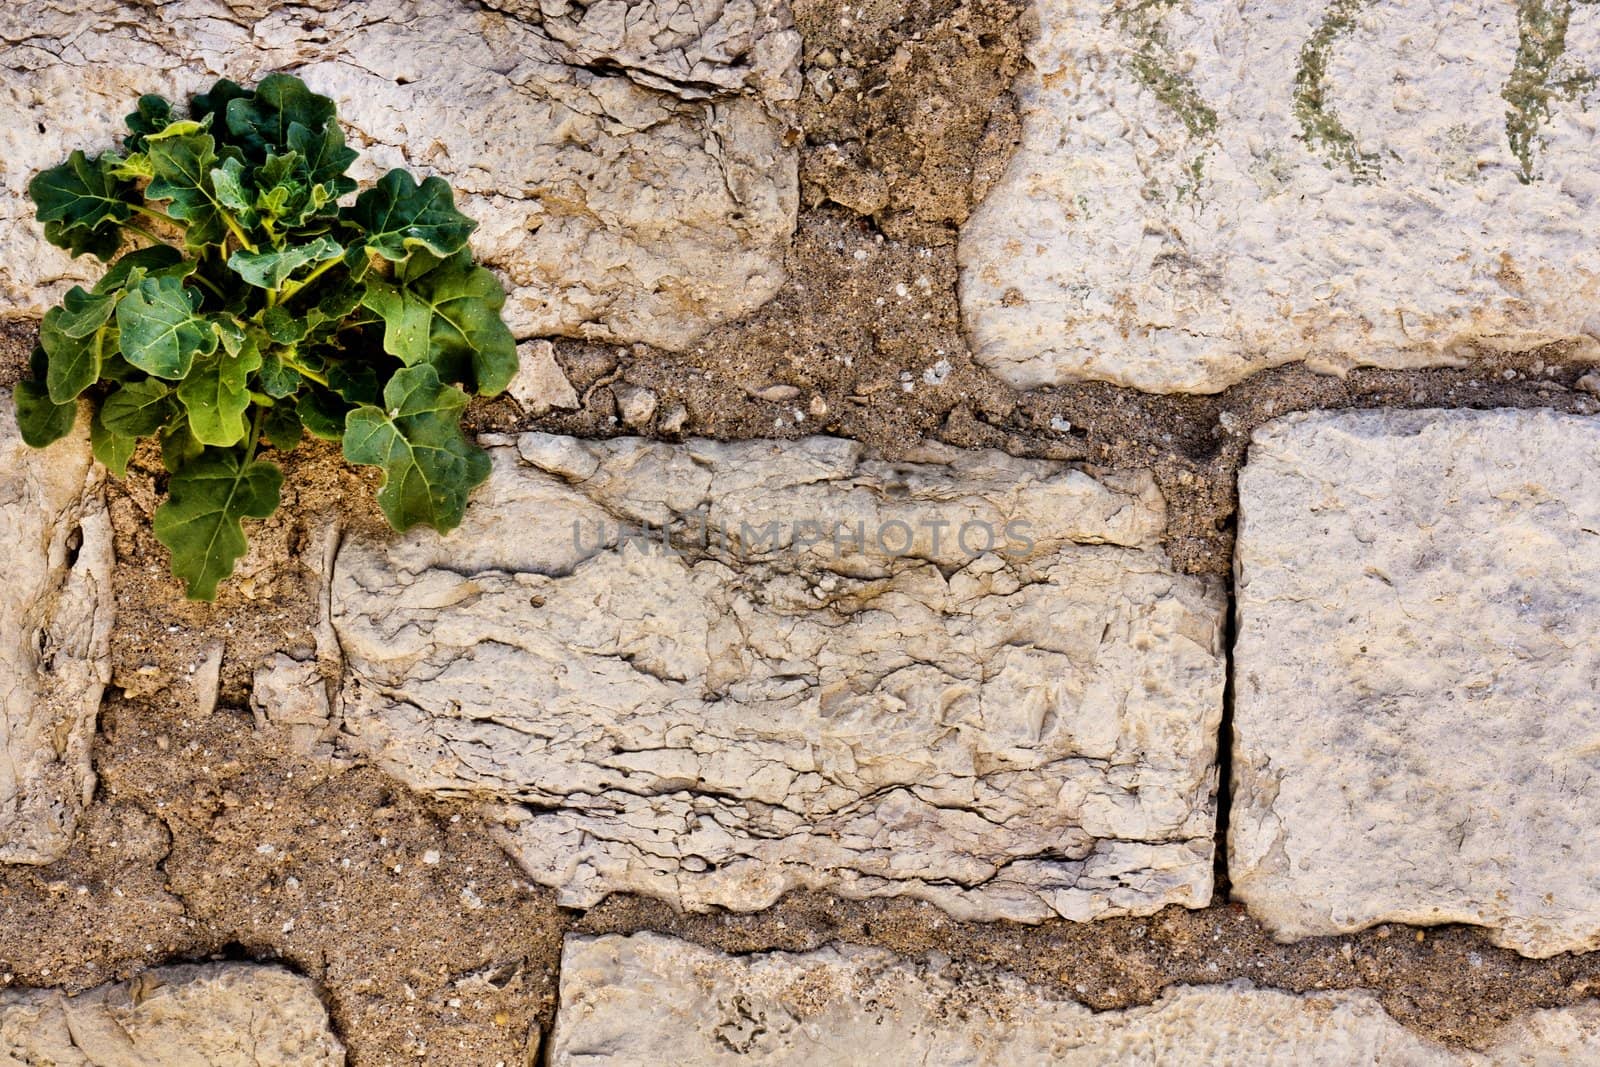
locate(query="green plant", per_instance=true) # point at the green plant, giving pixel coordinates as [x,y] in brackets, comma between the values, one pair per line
[259,307]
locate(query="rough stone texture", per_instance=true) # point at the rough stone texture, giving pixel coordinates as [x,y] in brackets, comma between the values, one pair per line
[1206,189]
[649,1000]
[1417,726]
[55,633]
[291,696]
[1007,735]
[631,177]
[540,386]
[214,1015]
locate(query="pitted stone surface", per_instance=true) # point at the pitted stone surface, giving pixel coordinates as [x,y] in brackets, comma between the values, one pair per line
[212,1015]
[55,637]
[629,174]
[1417,675]
[1207,189]
[1015,733]
[648,1000]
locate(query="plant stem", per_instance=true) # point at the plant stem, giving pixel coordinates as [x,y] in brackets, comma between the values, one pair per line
[305,372]
[153,213]
[146,234]
[210,285]
[292,287]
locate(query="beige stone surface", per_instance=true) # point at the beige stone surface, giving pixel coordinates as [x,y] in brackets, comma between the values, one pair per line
[648,1000]
[629,175]
[1017,732]
[211,1015]
[1207,189]
[55,631]
[291,696]
[1417,675]
[540,385]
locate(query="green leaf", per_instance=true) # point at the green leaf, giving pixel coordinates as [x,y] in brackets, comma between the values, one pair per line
[200,523]
[153,114]
[212,106]
[261,122]
[112,449]
[178,444]
[74,362]
[270,269]
[429,466]
[325,156]
[216,395]
[399,215]
[137,408]
[81,203]
[356,382]
[101,243]
[155,261]
[281,427]
[162,330]
[275,379]
[183,157]
[41,420]
[323,413]
[450,317]
[82,312]
[283,325]
[229,182]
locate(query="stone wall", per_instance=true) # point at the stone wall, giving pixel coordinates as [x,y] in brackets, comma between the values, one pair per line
[938,686]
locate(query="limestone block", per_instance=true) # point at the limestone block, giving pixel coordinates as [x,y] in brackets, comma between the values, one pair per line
[1012,715]
[617,201]
[1417,675]
[56,607]
[648,999]
[1205,189]
[210,1015]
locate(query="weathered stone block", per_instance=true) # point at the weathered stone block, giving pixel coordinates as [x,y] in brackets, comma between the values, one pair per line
[648,1000]
[56,608]
[1017,729]
[1417,675]
[212,1015]
[629,174]
[1205,189]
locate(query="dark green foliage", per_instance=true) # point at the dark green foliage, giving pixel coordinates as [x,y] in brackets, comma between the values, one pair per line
[259,309]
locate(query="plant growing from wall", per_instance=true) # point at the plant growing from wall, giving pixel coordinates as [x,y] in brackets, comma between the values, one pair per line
[259,304]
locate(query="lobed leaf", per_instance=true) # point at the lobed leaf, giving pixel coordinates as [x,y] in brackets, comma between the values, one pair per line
[112,449]
[449,316]
[201,523]
[400,215]
[270,269]
[429,467]
[182,158]
[74,363]
[40,420]
[81,204]
[137,408]
[162,329]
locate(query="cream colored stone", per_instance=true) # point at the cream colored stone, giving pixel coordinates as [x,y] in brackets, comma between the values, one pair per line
[1016,732]
[1417,675]
[211,1015]
[1208,189]
[55,637]
[650,1000]
[624,206]
[291,696]
[540,385]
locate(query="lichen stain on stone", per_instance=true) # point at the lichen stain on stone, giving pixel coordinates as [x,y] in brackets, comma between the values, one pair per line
[1319,123]
[1154,66]
[1539,76]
